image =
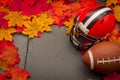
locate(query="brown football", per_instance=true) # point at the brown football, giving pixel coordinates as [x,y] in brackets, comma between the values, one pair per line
[104,57]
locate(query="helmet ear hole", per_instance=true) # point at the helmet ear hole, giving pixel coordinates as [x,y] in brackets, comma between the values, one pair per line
[102,21]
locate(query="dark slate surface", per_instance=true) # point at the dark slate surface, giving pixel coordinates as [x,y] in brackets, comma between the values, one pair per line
[21,42]
[52,57]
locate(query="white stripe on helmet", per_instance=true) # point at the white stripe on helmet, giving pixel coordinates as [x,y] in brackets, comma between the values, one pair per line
[95,15]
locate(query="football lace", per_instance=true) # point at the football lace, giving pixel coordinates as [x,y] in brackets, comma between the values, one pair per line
[108,60]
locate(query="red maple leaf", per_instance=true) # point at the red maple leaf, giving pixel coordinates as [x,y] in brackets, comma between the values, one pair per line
[112,76]
[15,73]
[34,6]
[15,5]
[86,3]
[3,22]
[3,77]
[20,29]
[118,1]
[8,53]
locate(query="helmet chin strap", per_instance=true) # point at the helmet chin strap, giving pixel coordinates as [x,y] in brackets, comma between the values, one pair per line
[105,37]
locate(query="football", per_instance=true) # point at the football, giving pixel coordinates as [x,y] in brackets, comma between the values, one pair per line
[104,57]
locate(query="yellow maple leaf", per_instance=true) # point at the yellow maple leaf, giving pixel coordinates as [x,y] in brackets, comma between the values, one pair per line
[44,21]
[116,10]
[15,18]
[32,29]
[6,33]
[115,35]
[69,24]
[114,39]
[39,23]
[4,66]
[110,2]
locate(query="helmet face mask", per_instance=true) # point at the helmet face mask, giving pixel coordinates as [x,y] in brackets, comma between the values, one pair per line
[92,27]
[82,41]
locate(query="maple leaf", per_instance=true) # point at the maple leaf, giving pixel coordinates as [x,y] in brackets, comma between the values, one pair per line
[15,5]
[114,39]
[116,11]
[3,22]
[118,1]
[49,1]
[6,33]
[63,15]
[20,29]
[62,20]
[44,21]
[32,28]
[57,11]
[59,7]
[88,3]
[34,7]
[15,73]
[3,66]
[9,53]
[110,2]
[71,13]
[112,76]
[115,35]
[4,3]
[29,2]
[15,18]
[75,8]
[38,24]
[3,77]
[69,24]
[4,9]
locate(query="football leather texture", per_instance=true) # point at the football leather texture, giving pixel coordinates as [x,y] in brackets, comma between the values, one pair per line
[104,57]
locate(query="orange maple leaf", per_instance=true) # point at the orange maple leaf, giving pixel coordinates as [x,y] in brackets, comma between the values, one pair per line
[58,10]
[9,53]
[15,73]
[6,33]
[59,7]
[110,2]
[4,9]
[3,66]
[49,1]
[75,8]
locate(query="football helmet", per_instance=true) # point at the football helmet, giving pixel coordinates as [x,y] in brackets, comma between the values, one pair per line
[91,26]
